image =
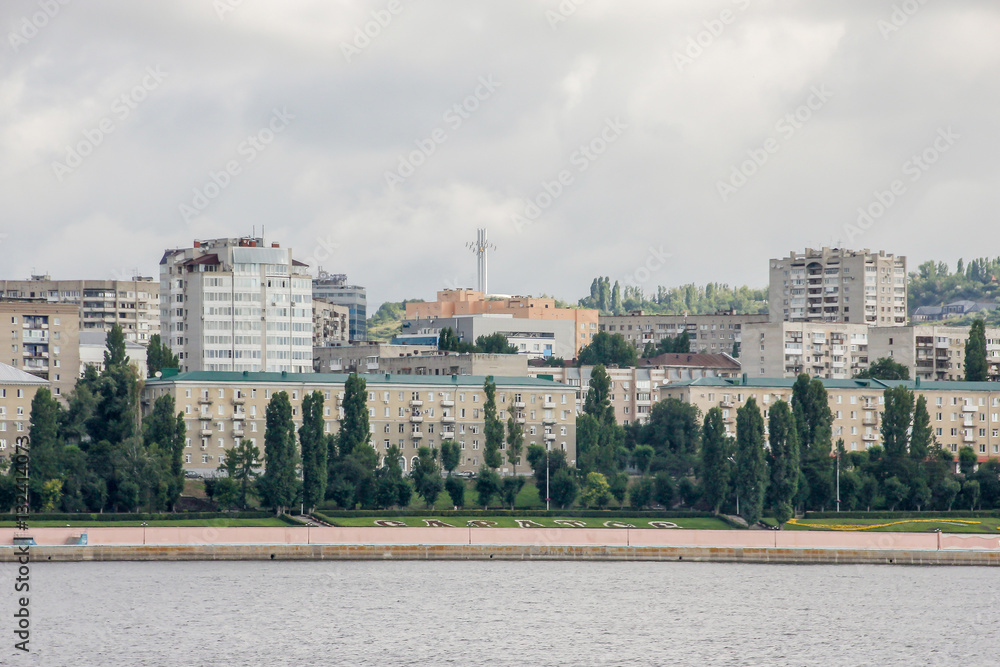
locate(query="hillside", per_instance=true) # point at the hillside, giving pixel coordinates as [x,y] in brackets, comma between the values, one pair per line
[386,322]
[691,299]
[934,285]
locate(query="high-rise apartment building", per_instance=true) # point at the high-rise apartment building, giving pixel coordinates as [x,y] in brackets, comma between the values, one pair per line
[42,339]
[932,352]
[134,304]
[236,305]
[837,285]
[333,288]
[715,333]
[823,350]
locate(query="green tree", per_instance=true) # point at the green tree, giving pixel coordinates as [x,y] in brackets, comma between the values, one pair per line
[278,483]
[455,488]
[495,343]
[509,488]
[426,476]
[970,494]
[354,429]
[922,436]
[165,432]
[674,432]
[814,422]
[619,487]
[895,492]
[885,368]
[116,415]
[46,445]
[515,440]
[751,466]
[663,489]
[541,459]
[240,465]
[314,451]
[714,460]
[596,491]
[451,455]
[159,356]
[976,369]
[896,421]
[598,401]
[967,460]
[608,349]
[642,457]
[492,426]
[390,487]
[784,458]
[640,494]
[563,488]
[487,485]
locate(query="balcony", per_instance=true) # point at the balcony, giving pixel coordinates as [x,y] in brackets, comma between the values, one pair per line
[204,400]
[519,420]
[869,421]
[237,433]
[416,403]
[519,404]
[239,416]
[205,432]
[239,400]
[968,408]
[416,435]
[550,436]
[968,437]
[447,404]
[416,419]
[548,420]
[969,422]
[549,405]
[725,403]
[447,419]
[448,434]
[870,437]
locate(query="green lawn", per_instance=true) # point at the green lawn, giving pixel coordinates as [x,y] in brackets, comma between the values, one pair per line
[544,522]
[270,521]
[959,525]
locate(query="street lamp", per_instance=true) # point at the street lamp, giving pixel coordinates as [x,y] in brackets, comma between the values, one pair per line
[546,477]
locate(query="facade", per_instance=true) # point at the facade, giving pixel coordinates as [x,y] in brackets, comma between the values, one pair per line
[42,339]
[534,338]
[134,305]
[932,352]
[331,323]
[950,310]
[371,357]
[17,390]
[635,390]
[709,334]
[454,303]
[362,356]
[407,411]
[837,285]
[93,344]
[235,305]
[962,413]
[334,288]
[823,350]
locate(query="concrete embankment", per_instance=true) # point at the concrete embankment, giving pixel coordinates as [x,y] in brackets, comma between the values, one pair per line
[439,543]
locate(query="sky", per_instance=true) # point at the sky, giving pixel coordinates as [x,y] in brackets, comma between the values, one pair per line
[656,142]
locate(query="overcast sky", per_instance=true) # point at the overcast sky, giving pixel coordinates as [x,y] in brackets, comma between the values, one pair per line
[696,138]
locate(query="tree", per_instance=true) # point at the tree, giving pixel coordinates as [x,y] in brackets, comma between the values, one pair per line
[608,349]
[451,455]
[619,487]
[814,422]
[46,446]
[278,484]
[976,369]
[679,344]
[674,432]
[663,489]
[715,475]
[492,426]
[967,460]
[240,464]
[159,356]
[640,494]
[598,403]
[784,441]
[515,440]
[922,437]
[314,450]
[945,492]
[920,494]
[885,368]
[970,494]
[896,421]
[895,492]
[354,429]
[596,491]
[487,485]
[541,459]
[563,488]
[751,466]
[165,432]
[455,488]
[390,487]
[509,488]
[642,456]
[116,415]
[426,475]
[495,343]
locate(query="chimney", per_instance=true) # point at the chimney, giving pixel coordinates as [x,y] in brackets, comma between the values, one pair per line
[197,244]
[275,245]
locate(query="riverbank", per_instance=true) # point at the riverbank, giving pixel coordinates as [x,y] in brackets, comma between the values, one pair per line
[445,543]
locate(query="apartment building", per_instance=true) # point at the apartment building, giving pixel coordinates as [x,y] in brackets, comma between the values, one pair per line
[236,305]
[372,357]
[134,304]
[534,338]
[962,413]
[17,390]
[334,288]
[42,339]
[709,334]
[838,285]
[824,350]
[362,356]
[408,411]
[93,345]
[454,303]
[932,352]
[634,390]
[331,323]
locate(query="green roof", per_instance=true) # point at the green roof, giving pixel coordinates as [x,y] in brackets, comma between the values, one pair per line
[880,385]
[211,377]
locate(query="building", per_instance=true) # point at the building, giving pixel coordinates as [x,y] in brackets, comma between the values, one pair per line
[932,352]
[634,390]
[43,339]
[535,338]
[331,323]
[837,285]
[962,413]
[373,357]
[362,356]
[711,334]
[17,390]
[409,411]
[823,350]
[454,303]
[134,304]
[334,288]
[235,305]
[953,309]
[93,345]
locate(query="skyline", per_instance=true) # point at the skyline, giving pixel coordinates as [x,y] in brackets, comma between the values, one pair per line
[632,132]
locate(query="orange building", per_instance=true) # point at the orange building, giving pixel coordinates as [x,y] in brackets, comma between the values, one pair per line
[457,302]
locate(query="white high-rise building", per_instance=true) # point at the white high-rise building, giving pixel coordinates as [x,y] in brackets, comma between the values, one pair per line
[235,305]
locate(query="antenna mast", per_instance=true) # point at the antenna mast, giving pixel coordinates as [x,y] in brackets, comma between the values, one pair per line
[480,248]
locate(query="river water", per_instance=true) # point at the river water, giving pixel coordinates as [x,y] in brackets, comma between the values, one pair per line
[497,613]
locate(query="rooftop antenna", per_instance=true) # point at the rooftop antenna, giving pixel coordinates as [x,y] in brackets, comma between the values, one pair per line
[480,249]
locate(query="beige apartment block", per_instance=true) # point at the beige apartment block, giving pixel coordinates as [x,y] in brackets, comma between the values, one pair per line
[838,285]
[361,356]
[331,323]
[407,411]
[932,352]
[823,350]
[134,305]
[17,390]
[711,334]
[42,339]
[962,413]
[634,390]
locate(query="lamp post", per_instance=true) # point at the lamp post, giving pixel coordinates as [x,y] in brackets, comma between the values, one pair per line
[546,477]
[838,478]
